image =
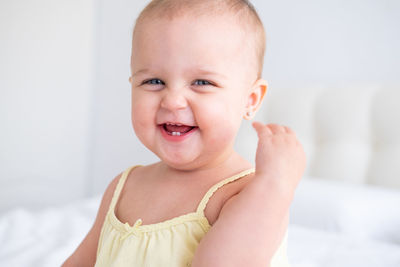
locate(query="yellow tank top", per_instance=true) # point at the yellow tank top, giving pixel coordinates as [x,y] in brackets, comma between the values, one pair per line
[169,243]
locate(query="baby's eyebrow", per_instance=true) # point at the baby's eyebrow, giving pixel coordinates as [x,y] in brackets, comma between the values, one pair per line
[208,72]
[140,71]
[200,71]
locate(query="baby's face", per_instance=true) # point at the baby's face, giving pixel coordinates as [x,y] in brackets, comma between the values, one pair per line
[191,72]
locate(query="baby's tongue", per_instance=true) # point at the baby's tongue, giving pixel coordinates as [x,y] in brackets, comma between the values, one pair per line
[175,128]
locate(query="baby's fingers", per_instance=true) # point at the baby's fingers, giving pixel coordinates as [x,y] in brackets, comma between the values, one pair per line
[261,129]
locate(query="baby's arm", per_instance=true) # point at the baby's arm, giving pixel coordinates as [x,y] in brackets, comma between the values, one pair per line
[251,224]
[85,254]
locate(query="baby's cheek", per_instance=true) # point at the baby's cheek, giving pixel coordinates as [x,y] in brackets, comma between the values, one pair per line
[142,116]
[220,124]
[138,120]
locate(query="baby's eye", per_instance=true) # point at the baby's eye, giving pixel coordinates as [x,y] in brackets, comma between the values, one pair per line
[153,82]
[202,82]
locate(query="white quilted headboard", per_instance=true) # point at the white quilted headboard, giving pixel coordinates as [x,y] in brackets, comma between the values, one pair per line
[350,133]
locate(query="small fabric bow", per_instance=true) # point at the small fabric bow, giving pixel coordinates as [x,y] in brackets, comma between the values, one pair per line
[132,229]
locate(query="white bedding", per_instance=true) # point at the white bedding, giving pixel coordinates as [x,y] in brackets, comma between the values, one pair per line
[46,238]
[316,248]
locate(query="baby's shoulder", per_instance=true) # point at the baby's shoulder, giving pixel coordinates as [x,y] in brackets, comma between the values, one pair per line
[108,195]
[222,195]
[232,188]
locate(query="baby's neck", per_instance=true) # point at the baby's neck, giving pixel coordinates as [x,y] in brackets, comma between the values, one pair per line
[231,165]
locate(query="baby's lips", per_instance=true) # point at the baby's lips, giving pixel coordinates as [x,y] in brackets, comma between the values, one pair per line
[178,124]
[176,128]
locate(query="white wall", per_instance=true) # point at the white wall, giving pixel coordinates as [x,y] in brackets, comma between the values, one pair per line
[45,100]
[55,146]
[332,42]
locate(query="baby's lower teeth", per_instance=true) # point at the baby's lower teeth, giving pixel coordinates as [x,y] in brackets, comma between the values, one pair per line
[176,133]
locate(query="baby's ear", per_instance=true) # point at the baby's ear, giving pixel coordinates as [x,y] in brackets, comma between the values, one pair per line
[130,79]
[255,98]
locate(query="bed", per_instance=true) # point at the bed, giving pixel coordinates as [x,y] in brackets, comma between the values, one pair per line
[346,211]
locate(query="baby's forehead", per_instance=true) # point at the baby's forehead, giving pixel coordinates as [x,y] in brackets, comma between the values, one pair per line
[203,20]
[218,32]
[209,36]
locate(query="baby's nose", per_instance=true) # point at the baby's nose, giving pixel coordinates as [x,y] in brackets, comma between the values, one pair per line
[174,101]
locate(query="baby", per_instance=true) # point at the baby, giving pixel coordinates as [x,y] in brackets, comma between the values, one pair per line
[196,73]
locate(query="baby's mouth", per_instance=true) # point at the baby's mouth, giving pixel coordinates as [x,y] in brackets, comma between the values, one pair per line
[177,129]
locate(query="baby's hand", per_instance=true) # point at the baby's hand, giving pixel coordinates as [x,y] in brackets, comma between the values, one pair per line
[280,157]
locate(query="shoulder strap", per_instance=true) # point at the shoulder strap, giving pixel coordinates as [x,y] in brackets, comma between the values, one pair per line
[210,192]
[119,187]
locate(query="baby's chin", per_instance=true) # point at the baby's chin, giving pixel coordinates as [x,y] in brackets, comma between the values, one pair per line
[183,164]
